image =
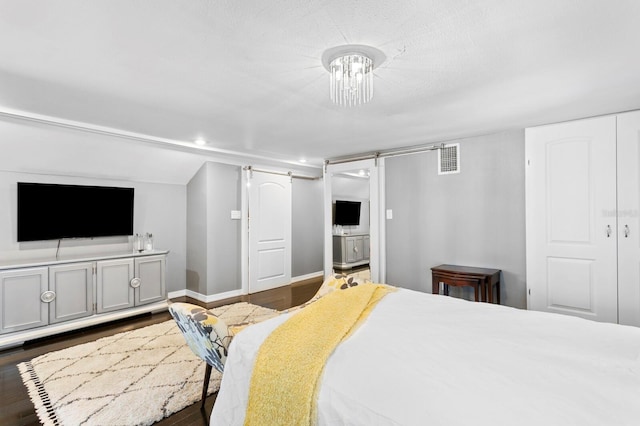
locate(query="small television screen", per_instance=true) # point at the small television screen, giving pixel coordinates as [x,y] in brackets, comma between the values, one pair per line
[51,211]
[347,213]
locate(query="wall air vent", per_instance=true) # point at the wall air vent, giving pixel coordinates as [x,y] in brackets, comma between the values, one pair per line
[449,159]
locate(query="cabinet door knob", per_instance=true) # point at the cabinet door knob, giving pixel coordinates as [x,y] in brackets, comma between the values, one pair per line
[48,296]
[135,282]
[626,231]
[608,231]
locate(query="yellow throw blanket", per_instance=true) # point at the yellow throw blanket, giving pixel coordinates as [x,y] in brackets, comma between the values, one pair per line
[290,361]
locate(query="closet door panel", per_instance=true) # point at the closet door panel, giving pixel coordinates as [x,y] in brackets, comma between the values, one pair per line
[571,223]
[568,192]
[571,283]
[628,218]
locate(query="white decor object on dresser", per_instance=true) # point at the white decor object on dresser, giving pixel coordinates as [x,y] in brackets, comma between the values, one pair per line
[582,224]
[44,297]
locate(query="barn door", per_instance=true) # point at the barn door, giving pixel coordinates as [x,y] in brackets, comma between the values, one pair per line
[269,210]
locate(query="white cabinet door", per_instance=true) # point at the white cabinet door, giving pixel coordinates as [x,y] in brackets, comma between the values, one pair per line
[356,249]
[150,271]
[366,247]
[73,288]
[20,305]
[114,285]
[352,249]
[628,218]
[571,218]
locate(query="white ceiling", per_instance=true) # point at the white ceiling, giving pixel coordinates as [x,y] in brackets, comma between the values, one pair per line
[247,76]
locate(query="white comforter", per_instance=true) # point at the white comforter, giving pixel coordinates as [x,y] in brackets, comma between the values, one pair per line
[422,359]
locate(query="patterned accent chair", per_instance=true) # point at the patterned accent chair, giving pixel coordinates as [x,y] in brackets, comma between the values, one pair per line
[206,334]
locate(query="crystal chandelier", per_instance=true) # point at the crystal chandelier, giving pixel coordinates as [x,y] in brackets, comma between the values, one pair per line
[351,73]
[351,80]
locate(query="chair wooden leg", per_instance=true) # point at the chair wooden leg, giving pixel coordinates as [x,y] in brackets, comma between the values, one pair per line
[205,386]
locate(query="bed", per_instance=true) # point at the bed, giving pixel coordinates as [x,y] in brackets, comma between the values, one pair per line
[428,359]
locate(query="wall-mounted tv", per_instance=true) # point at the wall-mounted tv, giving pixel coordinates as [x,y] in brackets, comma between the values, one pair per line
[347,213]
[51,211]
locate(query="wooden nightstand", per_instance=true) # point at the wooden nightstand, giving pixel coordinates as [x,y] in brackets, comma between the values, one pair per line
[481,279]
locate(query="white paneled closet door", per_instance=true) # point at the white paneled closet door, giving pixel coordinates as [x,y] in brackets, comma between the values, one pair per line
[628,218]
[571,218]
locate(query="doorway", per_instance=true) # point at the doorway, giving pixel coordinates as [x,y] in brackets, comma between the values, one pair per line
[367,235]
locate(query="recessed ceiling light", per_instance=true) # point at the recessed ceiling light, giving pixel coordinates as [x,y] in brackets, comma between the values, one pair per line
[303,160]
[200,142]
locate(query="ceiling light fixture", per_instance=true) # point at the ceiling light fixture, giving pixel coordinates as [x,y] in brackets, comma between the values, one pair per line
[200,142]
[351,73]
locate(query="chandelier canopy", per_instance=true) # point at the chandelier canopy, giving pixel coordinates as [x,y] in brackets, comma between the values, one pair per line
[351,73]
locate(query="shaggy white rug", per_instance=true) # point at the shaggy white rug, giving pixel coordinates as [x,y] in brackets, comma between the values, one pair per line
[133,378]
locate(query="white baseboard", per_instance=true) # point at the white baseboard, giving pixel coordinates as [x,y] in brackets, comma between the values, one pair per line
[229,294]
[307,276]
[205,298]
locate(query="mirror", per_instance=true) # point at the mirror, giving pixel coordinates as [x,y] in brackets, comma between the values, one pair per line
[352,227]
[350,222]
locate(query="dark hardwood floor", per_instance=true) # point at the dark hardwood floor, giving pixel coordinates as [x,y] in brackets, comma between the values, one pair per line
[16,407]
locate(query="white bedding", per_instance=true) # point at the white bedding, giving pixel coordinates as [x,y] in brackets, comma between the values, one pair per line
[423,359]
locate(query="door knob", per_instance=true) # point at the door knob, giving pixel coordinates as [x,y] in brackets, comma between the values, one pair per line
[48,296]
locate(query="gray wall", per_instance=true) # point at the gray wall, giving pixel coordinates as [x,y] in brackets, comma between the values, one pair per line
[223,233]
[196,275]
[349,187]
[213,238]
[307,227]
[474,218]
[158,208]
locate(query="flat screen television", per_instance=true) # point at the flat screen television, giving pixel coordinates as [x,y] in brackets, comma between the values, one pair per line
[51,211]
[347,213]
